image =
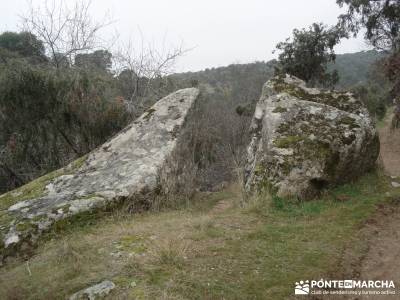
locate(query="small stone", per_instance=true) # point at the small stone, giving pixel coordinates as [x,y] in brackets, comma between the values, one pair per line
[94,292]
[11,238]
[16,194]
[116,254]
[395,184]
[19,205]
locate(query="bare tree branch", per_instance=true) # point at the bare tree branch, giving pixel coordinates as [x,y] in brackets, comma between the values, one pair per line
[144,62]
[64,29]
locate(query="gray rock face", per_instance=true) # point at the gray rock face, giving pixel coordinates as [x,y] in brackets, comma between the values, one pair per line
[395,184]
[123,169]
[304,139]
[94,292]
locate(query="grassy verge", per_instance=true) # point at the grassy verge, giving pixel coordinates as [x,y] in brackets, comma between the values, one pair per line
[386,120]
[200,252]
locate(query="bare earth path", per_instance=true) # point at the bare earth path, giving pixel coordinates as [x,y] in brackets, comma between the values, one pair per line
[382,261]
[390,149]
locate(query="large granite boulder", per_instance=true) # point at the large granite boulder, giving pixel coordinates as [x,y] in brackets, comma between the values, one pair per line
[126,168]
[305,139]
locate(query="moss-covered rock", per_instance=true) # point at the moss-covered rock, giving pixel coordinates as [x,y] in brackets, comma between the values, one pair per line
[305,139]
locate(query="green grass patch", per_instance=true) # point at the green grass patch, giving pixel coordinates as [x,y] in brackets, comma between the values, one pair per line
[287,142]
[380,123]
[36,188]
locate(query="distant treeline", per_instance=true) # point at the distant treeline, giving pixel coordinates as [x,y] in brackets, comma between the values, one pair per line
[358,72]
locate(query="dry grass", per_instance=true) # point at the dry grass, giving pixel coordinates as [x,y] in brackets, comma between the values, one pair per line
[203,250]
[172,252]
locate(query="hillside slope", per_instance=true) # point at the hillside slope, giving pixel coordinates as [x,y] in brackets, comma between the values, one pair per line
[353,69]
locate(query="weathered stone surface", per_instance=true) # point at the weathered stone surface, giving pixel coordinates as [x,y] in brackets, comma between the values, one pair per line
[94,292]
[395,184]
[304,139]
[122,169]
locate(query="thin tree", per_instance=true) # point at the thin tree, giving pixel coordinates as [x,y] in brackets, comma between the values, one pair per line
[66,30]
[141,64]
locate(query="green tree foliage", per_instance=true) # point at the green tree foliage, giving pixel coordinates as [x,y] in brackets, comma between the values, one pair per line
[22,44]
[308,54]
[380,18]
[374,98]
[51,116]
[99,60]
[372,88]
[131,85]
[355,68]
[391,69]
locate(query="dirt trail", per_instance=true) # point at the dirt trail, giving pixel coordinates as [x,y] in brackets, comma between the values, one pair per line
[390,149]
[382,261]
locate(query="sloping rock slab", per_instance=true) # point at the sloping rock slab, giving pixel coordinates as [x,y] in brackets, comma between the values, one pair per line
[305,139]
[123,169]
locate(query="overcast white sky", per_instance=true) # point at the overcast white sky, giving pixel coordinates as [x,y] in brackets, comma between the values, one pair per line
[220,31]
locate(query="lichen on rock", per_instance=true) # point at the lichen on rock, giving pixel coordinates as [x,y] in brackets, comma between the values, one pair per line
[305,139]
[123,169]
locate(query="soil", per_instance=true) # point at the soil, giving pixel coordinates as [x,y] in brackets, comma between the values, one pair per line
[382,258]
[390,149]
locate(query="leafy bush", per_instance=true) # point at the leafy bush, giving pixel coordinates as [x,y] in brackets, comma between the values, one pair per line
[51,116]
